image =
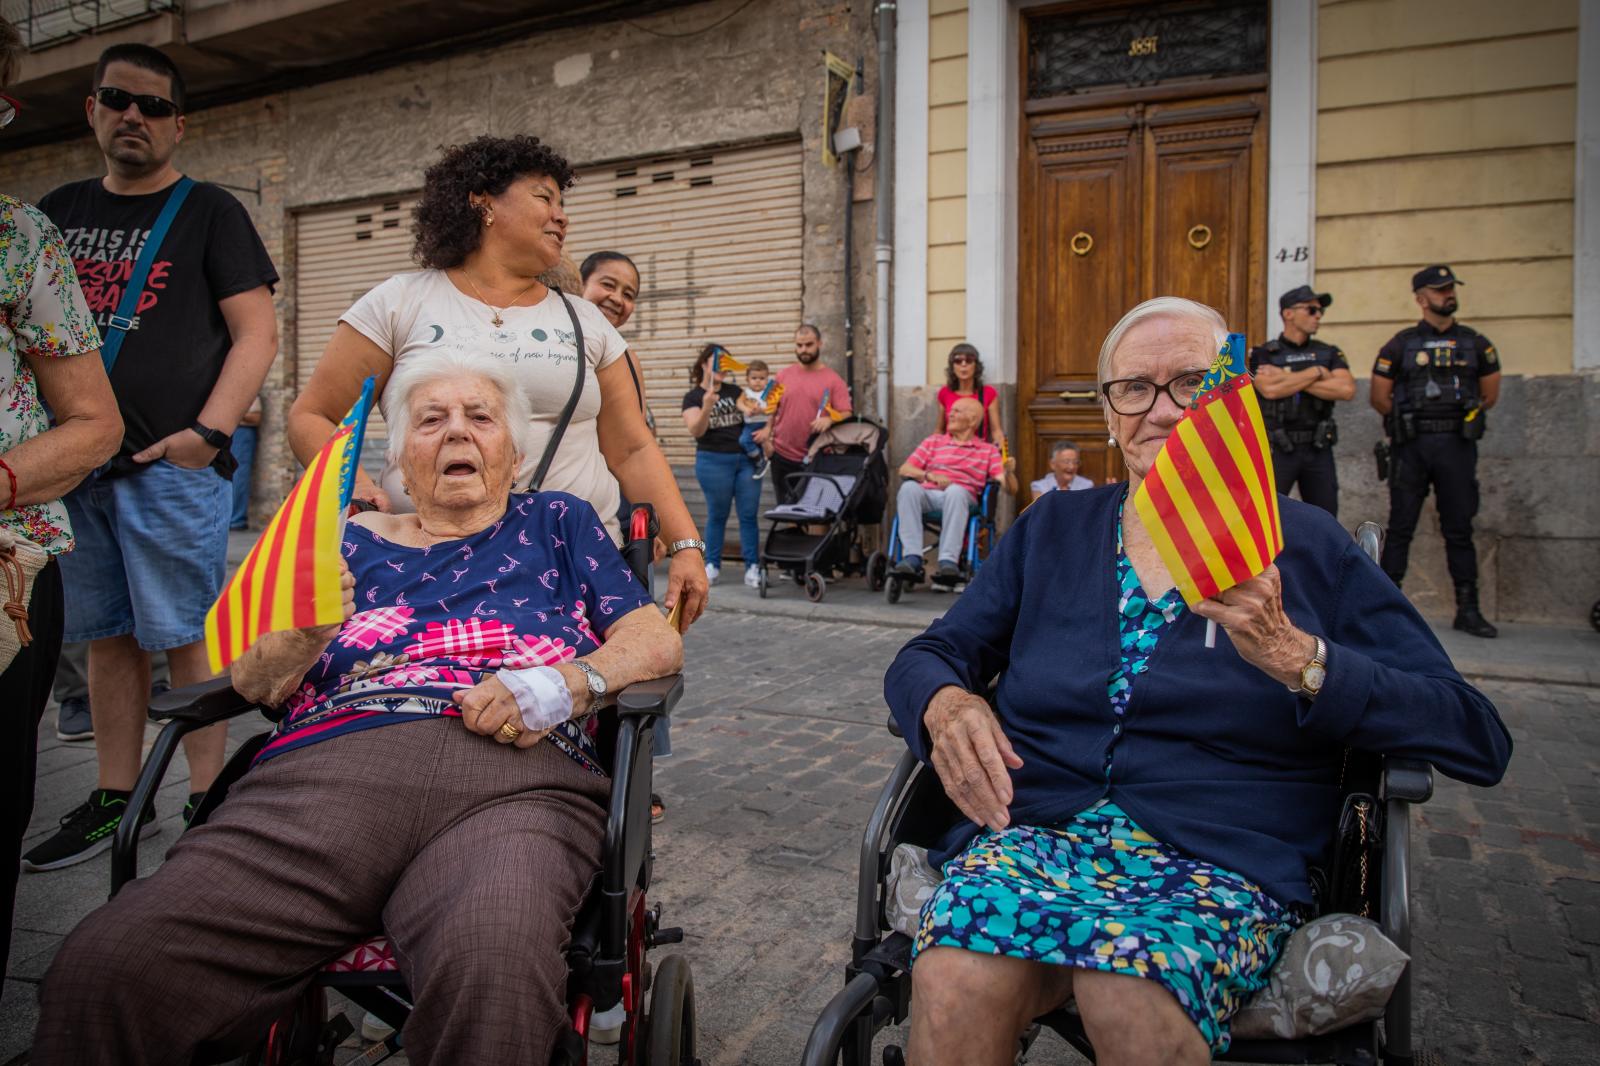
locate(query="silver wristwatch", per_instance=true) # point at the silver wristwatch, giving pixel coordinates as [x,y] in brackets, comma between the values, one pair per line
[690,542]
[597,684]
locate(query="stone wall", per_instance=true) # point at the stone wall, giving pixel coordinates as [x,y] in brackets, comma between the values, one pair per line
[597,93]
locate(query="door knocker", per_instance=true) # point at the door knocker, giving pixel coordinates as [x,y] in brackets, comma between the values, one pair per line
[1081,243]
[1199,236]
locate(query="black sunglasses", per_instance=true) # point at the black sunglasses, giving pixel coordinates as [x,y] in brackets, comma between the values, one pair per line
[9,109]
[963,359]
[1310,309]
[149,106]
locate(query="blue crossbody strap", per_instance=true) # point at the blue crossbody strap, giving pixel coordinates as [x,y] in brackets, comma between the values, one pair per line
[128,306]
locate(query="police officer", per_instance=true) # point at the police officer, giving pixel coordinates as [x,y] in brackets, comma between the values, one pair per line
[1432,383]
[1299,380]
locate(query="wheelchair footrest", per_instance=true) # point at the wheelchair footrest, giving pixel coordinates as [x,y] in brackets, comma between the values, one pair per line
[665,936]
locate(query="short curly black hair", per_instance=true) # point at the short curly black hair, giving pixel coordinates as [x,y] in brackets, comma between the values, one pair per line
[446,227]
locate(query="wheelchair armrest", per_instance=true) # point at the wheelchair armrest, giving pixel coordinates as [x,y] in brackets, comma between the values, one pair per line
[200,705]
[894,728]
[657,696]
[1410,780]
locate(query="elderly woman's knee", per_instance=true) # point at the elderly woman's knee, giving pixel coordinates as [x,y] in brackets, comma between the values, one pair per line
[951,984]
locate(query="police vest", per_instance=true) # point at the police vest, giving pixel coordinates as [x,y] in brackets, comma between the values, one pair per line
[1302,411]
[1438,373]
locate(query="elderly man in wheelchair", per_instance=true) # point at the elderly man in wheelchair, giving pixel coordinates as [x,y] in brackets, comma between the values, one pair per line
[1141,811]
[489,626]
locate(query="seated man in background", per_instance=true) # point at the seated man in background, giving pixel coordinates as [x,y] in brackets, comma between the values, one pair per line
[1063,475]
[946,474]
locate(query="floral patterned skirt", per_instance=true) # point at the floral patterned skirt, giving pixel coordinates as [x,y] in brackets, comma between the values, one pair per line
[1099,893]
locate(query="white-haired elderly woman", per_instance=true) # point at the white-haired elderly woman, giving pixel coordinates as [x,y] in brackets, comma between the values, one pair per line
[1140,810]
[433,776]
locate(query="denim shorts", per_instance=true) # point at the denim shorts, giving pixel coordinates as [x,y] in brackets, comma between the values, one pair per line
[151,555]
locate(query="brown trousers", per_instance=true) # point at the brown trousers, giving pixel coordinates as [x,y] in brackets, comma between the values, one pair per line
[472,855]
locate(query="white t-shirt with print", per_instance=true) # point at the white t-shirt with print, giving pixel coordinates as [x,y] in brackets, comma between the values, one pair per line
[422,311]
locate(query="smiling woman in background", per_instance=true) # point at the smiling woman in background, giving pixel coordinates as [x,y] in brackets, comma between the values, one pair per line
[488,224]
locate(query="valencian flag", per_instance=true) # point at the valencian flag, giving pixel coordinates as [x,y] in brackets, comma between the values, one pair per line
[290,579]
[1210,501]
[727,364]
[826,407]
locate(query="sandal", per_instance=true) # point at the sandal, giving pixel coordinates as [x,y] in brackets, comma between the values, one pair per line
[658,808]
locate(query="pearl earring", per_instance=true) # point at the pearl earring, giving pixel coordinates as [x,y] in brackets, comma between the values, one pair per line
[1111,442]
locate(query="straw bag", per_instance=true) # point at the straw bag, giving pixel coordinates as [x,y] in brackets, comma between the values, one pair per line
[20,562]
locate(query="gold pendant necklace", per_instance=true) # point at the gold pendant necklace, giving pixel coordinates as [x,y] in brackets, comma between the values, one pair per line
[496,319]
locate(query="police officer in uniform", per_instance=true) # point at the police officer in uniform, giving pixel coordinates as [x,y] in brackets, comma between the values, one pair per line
[1432,383]
[1299,380]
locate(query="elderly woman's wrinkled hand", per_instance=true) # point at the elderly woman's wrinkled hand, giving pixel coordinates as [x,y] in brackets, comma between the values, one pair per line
[971,755]
[489,709]
[1252,613]
[320,635]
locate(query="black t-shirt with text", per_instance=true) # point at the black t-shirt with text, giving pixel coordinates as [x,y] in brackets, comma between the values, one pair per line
[171,358]
[726,420]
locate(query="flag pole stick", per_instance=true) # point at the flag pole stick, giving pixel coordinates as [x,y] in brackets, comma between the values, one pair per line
[1211,633]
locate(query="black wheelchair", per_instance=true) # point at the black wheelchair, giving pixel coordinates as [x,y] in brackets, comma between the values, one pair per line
[913,809]
[610,936]
[980,538]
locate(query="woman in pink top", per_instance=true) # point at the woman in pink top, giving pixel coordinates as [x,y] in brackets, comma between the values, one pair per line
[964,377]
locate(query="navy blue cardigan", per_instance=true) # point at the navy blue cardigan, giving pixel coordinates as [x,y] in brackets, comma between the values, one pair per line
[1214,757]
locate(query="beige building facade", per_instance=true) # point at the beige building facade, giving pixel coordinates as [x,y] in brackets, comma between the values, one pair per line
[1370,138]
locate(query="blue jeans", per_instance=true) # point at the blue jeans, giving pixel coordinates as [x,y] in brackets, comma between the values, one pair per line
[727,478]
[747,442]
[151,555]
[244,453]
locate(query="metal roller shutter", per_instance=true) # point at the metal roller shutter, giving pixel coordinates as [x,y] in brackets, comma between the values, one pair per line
[717,237]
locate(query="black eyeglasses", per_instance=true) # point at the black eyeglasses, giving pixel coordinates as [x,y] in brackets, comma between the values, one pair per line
[9,109]
[1135,396]
[149,106]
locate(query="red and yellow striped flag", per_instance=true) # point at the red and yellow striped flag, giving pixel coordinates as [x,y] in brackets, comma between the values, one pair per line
[290,579]
[1210,502]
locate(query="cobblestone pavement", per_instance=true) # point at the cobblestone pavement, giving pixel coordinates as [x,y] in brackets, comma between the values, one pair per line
[781,749]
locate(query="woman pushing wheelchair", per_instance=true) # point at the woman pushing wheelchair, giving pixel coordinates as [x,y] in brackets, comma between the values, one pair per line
[1141,810]
[490,626]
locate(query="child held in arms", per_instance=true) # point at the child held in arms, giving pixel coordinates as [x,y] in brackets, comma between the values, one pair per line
[753,401]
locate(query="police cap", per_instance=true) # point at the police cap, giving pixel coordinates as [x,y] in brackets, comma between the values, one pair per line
[1434,277]
[1304,294]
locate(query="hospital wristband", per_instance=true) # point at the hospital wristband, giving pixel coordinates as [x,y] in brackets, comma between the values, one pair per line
[543,698]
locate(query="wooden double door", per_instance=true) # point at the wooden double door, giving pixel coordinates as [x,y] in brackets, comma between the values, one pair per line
[1120,204]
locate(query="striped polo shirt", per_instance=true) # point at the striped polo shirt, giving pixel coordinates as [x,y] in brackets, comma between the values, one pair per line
[969,463]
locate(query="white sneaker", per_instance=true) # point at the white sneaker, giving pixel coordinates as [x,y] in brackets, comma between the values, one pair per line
[711,573]
[374,1028]
[752,577]
[606,1026]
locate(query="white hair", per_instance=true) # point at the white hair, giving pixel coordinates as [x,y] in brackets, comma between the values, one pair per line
[418,370]
[1160,307]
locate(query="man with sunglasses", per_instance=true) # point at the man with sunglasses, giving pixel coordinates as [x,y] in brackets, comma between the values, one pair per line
[1432,384]
[1299,379]
[152,525]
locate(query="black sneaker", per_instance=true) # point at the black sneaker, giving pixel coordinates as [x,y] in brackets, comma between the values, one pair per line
[910,566]
[85,832]
[73,720]
[949,571]
[762,464]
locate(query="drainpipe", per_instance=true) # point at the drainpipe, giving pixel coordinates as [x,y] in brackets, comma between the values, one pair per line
[883,165]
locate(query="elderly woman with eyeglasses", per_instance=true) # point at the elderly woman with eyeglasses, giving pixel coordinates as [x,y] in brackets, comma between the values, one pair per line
[1140,810]
[433,776]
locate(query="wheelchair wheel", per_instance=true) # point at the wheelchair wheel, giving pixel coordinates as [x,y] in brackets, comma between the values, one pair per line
[891,589]
[295,1039]
[816,587]
[670,1040]
[877,571]
[1594,614]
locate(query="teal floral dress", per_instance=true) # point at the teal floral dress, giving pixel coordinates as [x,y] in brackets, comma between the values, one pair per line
[1100,893]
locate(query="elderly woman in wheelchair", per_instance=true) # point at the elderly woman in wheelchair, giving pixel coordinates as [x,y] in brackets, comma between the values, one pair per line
[489,626]
[1140,810]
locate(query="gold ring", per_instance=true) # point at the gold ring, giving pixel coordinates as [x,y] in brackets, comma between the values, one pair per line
[509,731]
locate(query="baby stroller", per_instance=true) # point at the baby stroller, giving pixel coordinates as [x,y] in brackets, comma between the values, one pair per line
[845,482]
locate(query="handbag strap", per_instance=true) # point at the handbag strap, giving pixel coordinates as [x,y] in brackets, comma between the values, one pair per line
[572,401]
[128,306]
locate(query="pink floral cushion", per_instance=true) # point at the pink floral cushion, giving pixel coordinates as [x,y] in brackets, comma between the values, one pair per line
[372,956]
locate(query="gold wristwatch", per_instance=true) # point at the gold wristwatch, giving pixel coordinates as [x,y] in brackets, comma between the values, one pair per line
[1313,673]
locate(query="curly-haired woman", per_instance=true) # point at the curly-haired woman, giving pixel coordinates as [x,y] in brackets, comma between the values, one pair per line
[964,377]
[489,223]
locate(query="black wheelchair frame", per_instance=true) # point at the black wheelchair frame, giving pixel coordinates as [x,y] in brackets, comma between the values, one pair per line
[614,926]
[913,808]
